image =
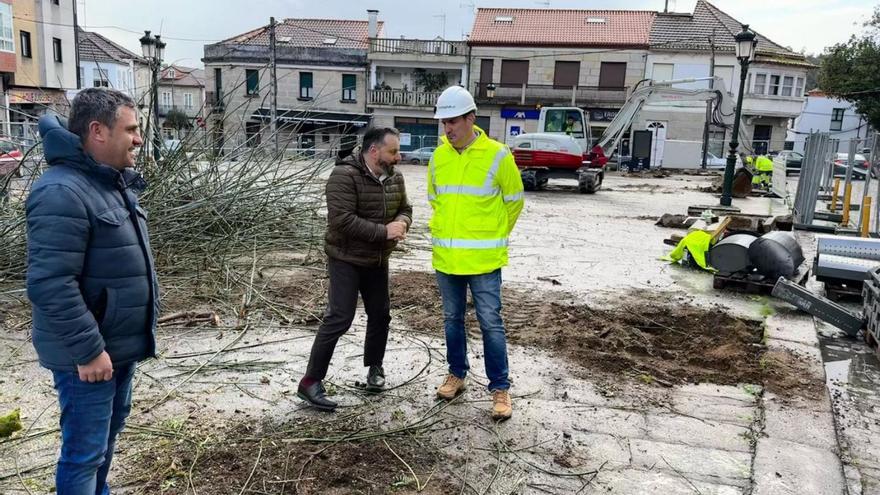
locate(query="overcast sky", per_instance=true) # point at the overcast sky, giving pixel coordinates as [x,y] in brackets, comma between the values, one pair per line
[187,25]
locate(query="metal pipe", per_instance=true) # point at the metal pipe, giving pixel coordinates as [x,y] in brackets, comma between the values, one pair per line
[865,220]
[847,194]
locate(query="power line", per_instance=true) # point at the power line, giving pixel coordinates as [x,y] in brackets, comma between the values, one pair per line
[120,28]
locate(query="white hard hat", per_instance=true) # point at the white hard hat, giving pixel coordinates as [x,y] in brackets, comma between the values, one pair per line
[453,102]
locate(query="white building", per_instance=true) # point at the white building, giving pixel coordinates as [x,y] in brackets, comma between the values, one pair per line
[103,63]
[825,114]
[681,48]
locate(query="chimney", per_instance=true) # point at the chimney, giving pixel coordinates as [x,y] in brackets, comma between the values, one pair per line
[372,23]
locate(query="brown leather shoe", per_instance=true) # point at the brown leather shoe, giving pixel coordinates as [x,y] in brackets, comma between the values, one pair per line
[451,387]
[502,408]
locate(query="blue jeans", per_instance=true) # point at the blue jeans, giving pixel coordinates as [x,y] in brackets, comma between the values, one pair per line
[92,414]
[486,292]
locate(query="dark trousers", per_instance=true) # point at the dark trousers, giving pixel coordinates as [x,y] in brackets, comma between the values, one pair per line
[346,281]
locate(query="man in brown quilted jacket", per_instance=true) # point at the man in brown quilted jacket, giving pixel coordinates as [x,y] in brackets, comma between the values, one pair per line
[367,215]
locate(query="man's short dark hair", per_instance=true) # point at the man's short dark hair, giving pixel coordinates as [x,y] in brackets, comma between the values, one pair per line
[376,136]
[96,104]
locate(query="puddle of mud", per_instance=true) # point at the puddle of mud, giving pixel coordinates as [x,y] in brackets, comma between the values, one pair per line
[654,341]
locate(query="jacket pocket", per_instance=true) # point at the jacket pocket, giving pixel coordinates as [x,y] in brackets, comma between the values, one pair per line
[114,216]
[110,310]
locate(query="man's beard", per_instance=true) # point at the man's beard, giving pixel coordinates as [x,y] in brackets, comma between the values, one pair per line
[388,167]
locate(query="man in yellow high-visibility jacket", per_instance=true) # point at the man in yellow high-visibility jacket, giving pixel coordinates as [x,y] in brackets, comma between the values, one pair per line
[764,171]
[476,195]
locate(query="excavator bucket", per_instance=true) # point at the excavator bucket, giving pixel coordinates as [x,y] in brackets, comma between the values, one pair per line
[742,183]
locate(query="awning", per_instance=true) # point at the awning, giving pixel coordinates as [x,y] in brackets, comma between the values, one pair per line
[316,117]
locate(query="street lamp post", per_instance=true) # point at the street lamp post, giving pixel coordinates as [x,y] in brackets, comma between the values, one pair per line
[154,50]
[745,53]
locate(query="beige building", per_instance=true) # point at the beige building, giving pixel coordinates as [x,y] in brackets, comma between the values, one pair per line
[321,84]
[524,59]
[406,76]
[181,90]
[46,61]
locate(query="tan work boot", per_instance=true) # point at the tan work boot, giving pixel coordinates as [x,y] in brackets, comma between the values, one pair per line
[502,408]
[451,387]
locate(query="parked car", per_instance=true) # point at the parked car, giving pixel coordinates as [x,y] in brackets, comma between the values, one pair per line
[719,163]
[860,166]
[793,161]
[10,157]
[417,156]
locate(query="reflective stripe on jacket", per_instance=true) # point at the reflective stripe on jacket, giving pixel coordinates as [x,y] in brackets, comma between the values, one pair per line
[476,197]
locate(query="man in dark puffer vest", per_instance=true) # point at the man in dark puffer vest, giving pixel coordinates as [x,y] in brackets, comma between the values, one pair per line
[91,279]
[367,214]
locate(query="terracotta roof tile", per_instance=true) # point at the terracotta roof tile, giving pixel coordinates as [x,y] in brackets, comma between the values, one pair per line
[561,27]
[312,33]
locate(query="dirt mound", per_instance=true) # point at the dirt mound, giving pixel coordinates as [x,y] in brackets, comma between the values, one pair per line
[290,458]
[654,342]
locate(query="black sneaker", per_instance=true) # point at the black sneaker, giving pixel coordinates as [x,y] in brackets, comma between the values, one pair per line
[375,379]
[315,395]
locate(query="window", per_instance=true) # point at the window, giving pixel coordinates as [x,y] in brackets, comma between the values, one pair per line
[799,87]
[166,99]
[252,134]
[305,85]
[566,74]
[749,89]
[25,44]
[218,83]
[663,72]
[760,84]
[171,74]
[253,81]
[612,75]
[837,119]
[349,87]
[7,39]
[56,2]
[514,73]
[787,85]
[100,79]
[188,100]
[773,90]
[56,50]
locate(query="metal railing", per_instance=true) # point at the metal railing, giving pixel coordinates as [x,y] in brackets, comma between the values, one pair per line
[188,111]
[428,47]
[401,98]
[536,93]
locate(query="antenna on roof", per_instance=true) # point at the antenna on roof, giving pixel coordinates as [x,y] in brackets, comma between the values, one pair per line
[666,7]
[443,22]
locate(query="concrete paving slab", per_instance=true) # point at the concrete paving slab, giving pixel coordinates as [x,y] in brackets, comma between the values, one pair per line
[792,325]
[698,432]
[788,468]
[806,426]
[733,467]
[657,482]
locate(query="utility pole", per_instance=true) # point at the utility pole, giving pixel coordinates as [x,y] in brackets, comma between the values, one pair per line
[709,103]
[273,84]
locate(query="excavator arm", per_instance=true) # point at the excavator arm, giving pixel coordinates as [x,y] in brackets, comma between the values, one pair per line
[662,93]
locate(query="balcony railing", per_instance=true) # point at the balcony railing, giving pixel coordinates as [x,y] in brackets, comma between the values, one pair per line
[189,111]
[401,98]
[426,47]
[538,93]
